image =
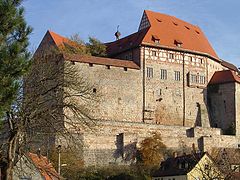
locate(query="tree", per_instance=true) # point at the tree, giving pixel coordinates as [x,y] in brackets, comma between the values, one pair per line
[96,48]
[92,48]
[152,150]
[14,55]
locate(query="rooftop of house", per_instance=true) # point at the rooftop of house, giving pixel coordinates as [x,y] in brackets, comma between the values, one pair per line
[169,31]
[177,166]
[101,61]
[44,166]
[60,41]
[225,76]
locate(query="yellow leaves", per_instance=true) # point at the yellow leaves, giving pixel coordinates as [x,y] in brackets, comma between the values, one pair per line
[152,150]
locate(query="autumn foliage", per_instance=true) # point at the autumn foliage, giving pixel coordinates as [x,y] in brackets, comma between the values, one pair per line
[152,150]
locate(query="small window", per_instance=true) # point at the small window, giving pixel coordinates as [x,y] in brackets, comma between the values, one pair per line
[190,58]
[108,66]
[175,23]
[149,72]
[177,75]
[90,64]
[193,78]
[163,74]
[94,90]
[73,62]
[125,68]
[171,56]
[202,79]
[201,60]
[187,27]
[154,53]
[156,39]
[206,167]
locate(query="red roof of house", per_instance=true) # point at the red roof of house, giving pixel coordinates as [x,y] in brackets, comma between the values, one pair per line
[169,30]
[226,76]
[58,39]
[126,43]
[42,164]
[101,61]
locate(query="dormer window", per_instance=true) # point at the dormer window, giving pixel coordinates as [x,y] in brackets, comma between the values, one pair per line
[155,39]
[175,23]
[178,43]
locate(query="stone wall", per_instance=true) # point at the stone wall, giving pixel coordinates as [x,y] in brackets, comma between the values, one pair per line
[222,106]
[119,91]
[172,100]
[102,146]
[237,105]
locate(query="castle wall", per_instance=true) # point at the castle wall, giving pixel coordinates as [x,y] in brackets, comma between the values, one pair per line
[237,105]
[119,91]
[169,99]
[222,106]
[102,146]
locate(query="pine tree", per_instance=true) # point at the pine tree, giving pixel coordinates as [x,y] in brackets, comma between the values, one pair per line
[14,56]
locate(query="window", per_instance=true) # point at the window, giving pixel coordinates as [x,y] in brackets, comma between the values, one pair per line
[193,78]
[201,60]
[94,90]
[206,167]
[155,39]
[149,72]
[90,64]
[108,66]
[125,68]
[177,75]
[154,53]
[73,62]
[171,56]
[202,79]
[163,74]
[190,58]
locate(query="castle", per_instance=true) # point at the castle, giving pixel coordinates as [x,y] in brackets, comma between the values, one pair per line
[165,78]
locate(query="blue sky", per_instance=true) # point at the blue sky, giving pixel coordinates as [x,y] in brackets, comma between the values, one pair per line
[219,19]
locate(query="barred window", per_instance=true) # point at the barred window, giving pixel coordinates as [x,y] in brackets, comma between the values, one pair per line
[154,53]
[202,80]
[149,72]
[163,74]
[177,75]
[171,56]
[193,78]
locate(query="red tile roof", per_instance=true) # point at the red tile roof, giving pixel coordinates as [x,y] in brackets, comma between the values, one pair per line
[42,164]
[229,65]
[226,76]
[58,39]
[126,43]
[171,28]
[168,29]
[101,61]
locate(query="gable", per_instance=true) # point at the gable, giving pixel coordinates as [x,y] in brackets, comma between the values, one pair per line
[144,22]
